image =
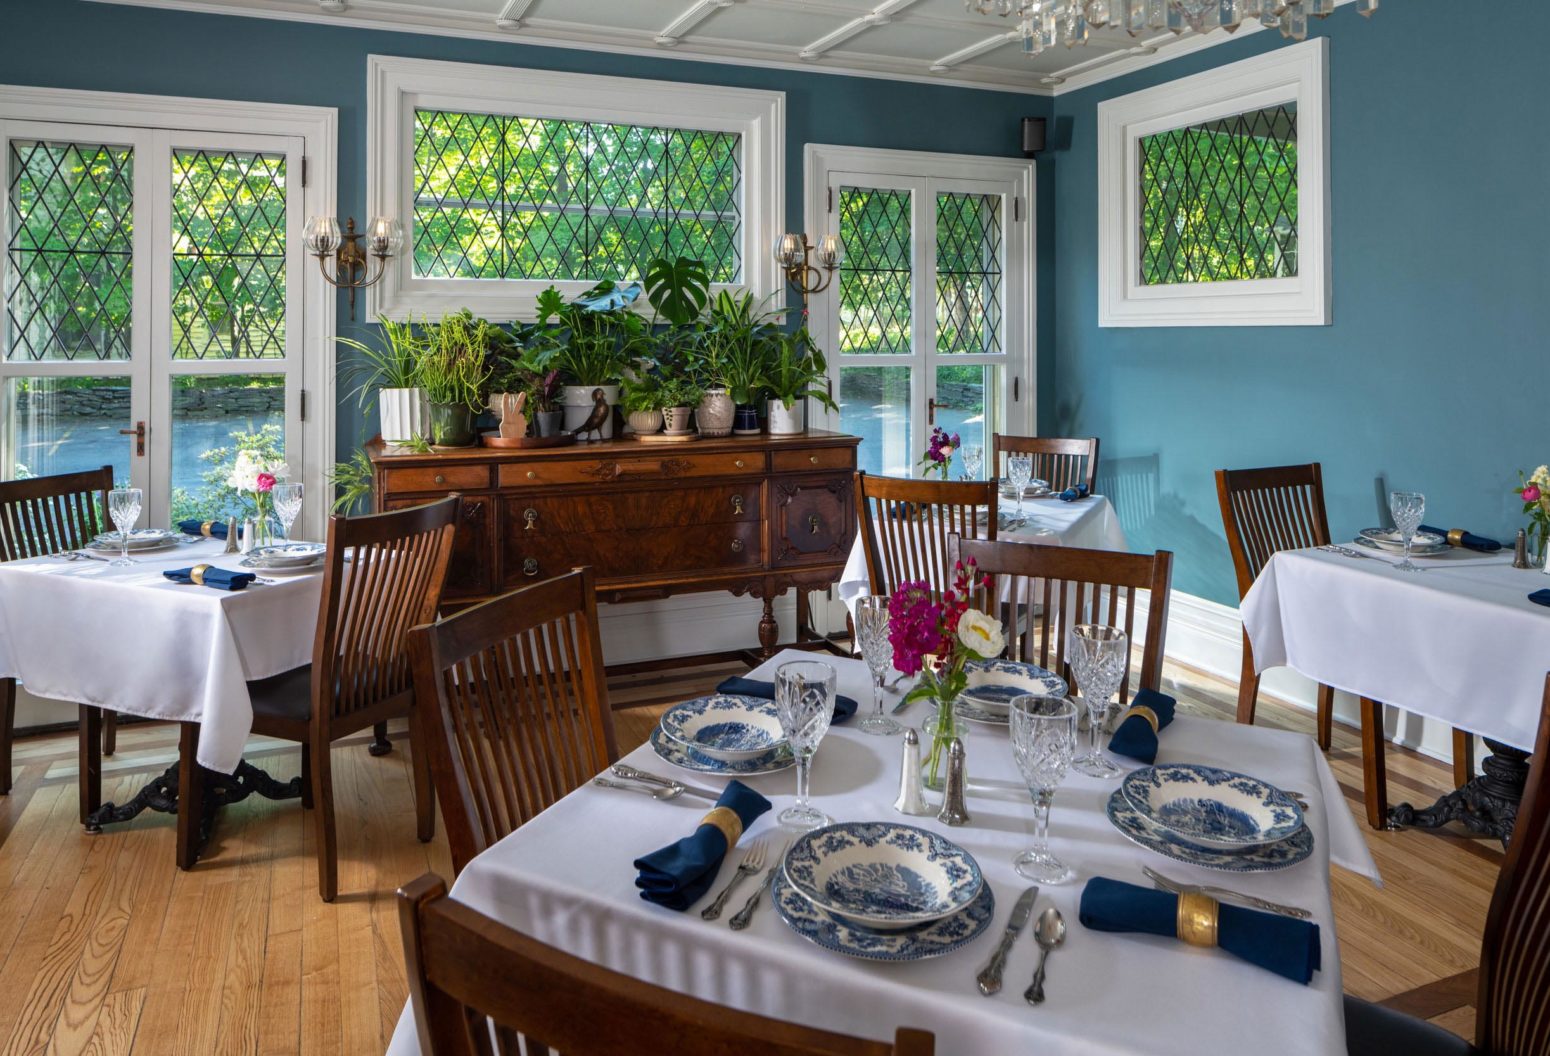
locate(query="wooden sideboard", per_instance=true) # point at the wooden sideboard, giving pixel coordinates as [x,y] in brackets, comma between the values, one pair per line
[752,515]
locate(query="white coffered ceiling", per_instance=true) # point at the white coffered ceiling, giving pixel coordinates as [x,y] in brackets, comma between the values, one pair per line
[926,40]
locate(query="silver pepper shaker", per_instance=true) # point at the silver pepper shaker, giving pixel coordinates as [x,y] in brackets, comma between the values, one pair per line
[954,810]
[912,784]
[231,535]
[1520,550]
[248,526]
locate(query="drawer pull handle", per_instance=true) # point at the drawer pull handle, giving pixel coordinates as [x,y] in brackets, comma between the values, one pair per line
[813,524]
[813,459]
[440,479]
[530,516]
[737,504]
[532,474]
[737,546]
[740,464]
[530,567]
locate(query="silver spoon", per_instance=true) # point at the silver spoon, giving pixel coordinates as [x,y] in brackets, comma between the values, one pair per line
[1049,933]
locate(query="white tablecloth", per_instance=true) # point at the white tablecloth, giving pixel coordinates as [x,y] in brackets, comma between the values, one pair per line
[1088,523]
[566,878]
[131,640]
[1459,642]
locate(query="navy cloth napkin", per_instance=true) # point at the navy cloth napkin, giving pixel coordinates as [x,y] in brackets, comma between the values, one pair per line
[1540,597]
[1469,540]
[194,527]
[1081,491]
[680,873]
[844,707]
[1135,737]
[1288,947]
[218,578]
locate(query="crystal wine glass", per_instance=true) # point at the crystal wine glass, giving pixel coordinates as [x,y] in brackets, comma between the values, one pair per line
[124,508]
[1019,470]
[1098,659]
[973,462]
[1408,507]
[1043,741]
[877,651]
[287,505]
[804,701]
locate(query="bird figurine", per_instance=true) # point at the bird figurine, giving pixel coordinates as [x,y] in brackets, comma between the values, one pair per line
[595,420]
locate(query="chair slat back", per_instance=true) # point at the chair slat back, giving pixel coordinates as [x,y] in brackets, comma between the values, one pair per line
[515,706]
[1073,586]
[1513,1009]
[49,515]
[1265,510]
[464,966]
[905,525]
[384,575]
[1062,461]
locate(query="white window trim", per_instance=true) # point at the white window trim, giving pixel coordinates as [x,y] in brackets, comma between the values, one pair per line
[319,128]
[1297,73]
[396,87]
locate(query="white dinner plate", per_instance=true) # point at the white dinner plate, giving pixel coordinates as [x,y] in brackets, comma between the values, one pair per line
[1421,551]
[1390,539]
[140,539]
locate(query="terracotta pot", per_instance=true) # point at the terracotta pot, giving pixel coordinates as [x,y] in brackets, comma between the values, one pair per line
[715,413]
[677,419]
[787,421]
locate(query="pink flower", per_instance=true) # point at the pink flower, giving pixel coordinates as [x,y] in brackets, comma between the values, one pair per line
[1531,493]
[265,482]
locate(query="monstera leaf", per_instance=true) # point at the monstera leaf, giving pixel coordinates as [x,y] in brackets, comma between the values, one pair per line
[678,289]
[607,296]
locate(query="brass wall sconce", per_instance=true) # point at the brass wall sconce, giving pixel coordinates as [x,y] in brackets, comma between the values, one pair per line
[794,254]
[352,268]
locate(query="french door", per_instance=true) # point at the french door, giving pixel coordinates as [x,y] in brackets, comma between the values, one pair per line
[929,321]
[152,307]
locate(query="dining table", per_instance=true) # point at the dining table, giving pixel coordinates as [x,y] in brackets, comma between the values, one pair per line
[1458,641]
[566,878]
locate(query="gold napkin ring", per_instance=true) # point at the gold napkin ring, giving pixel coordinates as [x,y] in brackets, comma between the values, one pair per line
[725,819]
[1455,537]
[1146,713]
[204,529]
[1196,918]
[196,575]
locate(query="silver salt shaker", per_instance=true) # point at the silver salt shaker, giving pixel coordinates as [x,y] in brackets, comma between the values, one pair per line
[912,785]
[954,810]
[231,535]
[1520,550]
[248,527]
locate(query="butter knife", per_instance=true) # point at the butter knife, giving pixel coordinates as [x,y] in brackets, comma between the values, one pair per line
[989,978]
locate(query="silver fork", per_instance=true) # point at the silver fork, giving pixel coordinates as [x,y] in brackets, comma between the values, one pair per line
[1344,551]
[752,862]
[743,917]
[1226,895]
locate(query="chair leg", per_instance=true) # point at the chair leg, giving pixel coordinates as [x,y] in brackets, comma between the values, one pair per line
[380,744]
[306,776]
[7,731]
[323,818]
[1248,685]
[1374,774]
[190,795]
[424,788]
[1326,716]
[90,741]
[1463,757]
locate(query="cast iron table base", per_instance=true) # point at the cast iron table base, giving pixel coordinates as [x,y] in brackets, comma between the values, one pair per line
[1486,805]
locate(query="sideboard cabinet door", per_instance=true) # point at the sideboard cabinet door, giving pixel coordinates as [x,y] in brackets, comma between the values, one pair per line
[814,519]
[472,571]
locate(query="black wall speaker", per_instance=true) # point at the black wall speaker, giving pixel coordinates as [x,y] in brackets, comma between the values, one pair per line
[1033,135]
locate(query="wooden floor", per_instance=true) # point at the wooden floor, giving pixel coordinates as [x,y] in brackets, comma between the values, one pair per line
[106,948]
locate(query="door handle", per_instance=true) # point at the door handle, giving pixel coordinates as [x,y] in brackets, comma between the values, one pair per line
[138,432]
[932,406]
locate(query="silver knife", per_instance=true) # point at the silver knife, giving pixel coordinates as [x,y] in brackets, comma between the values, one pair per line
[632,774]
[989,978]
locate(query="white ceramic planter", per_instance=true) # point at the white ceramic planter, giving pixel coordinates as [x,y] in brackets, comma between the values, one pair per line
[677,419]
[715,412]
[644,421]
[578,401]
[784,421]
[406,414]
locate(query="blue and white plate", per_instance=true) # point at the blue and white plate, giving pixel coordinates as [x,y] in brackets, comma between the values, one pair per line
[726,727]
[882,875]
[1263,859]
[687,758]
[1211,807]
[976,712]
[139,539]
[994,684]
[287,555]
[913,944]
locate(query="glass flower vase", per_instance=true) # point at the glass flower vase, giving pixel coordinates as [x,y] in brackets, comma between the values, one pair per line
[262,522]
[942,727]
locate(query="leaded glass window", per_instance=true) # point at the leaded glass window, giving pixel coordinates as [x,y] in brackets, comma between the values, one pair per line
[876,225]
[968,273]
[499,197]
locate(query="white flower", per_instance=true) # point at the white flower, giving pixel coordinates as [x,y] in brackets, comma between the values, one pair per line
[981,634]
[1541,476]
[245,471]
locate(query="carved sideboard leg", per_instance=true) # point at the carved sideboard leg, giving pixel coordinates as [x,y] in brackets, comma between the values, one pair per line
[769,630]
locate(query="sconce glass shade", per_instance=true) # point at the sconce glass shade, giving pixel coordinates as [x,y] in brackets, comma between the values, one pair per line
[790,250]
[831,252]
[322,235]
[385,236]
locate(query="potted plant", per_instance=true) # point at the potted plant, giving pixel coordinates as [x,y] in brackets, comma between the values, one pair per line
[734,351]
[543,400]
[454,375]
[384,372]
[642,402]
[590,341]
[678,397]
[796,373]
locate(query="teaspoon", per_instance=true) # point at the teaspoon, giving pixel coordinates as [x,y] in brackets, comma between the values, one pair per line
[1049,933]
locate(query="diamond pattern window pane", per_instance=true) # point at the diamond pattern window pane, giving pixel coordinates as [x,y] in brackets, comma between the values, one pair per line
[968,273]
[70,219]
[876,276]
[1219,199]
[526,198]
[228,255]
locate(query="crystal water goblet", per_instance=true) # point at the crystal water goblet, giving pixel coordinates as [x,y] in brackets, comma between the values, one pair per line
[877,651]
[124,509]
[973,462]
[1043,731]
[1019,470]
[287,505]
[1407,507]
[804,702]
[1098,656]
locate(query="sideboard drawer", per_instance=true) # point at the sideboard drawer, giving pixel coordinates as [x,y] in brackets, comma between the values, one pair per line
[644,466]
[634,510]
[620,554]
[436,478]
[820,458]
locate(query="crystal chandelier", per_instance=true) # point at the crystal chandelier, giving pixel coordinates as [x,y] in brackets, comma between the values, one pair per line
[1045,23]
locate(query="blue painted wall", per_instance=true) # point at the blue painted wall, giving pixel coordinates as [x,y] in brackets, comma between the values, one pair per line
[70,44]
[1434,373]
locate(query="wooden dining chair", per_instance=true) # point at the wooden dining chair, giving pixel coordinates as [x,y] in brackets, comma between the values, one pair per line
[905,525]
[1511,988]
[1064,586]
[383,575]
[49,515]
[513,707]
[467,971]
[1062,462]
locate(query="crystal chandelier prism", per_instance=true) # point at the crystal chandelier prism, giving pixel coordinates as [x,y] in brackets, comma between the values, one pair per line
[1043,24]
